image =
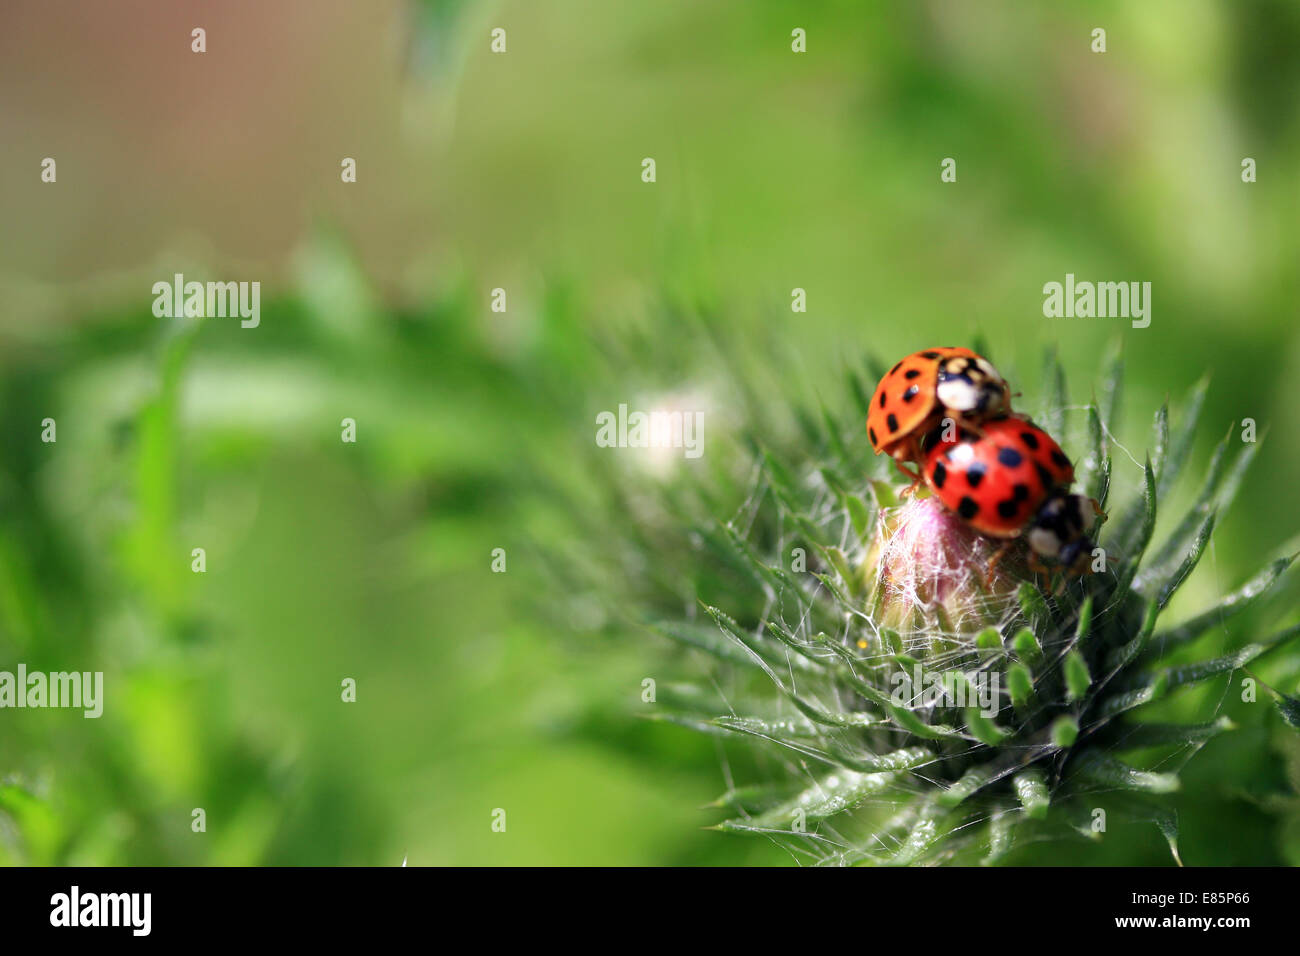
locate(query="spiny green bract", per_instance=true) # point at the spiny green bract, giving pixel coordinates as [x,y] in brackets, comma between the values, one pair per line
[815,645]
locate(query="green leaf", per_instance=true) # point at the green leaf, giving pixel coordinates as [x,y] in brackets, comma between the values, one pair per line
[1203,505]
[1160,441]
[803,649]
[1204,670]
[1236,602]
[1162,582]
[1077,678]
[1001,836]
[1213,498]
[840,791]
[913,723]
[707,640]
[840,597]
[1034,606]
[723,547]
[752,799]
[904,718]
[859,390]
[1128,700]
[1020,684]
[859,515]
[884,494]
[1065,731]
[770,578]
[971,782]
[891,639]
[788,729]
[1166,821]
[1122,656]
[837,559]
[1027,647]
[1140,736]
[1054,387]
[983,728]
[1181,445]
[926,832]
[1289,708]
[760,647]
[832,428]
[1133,531]
[697,724]
[1232,483]
[1096,479]
[1030,786]
[1101,768]
[793,734]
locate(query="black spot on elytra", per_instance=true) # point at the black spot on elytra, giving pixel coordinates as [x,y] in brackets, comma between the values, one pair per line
[975,474]
[892,422]
[1021,492]
[1046,477]
[871,433]
[895,368]
[911,393]
[882,398]
[912,373]
[1010,457]
[1060,458]
[1008,508]
[929,355]
[1030,439]
[967,507]
[940,474]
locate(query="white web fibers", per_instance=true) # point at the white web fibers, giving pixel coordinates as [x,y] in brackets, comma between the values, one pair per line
[938,575]
[1127,473]
[936,593]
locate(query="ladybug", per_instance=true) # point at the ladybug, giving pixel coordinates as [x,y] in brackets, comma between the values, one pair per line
[1013,480]
[923,389]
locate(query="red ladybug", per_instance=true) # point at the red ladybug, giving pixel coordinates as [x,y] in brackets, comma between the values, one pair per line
[1014,480]
[923,389]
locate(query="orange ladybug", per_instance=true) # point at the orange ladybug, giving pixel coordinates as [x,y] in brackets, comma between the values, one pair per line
[918,393]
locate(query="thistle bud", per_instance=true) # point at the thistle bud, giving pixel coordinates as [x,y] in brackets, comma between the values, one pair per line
[936,575]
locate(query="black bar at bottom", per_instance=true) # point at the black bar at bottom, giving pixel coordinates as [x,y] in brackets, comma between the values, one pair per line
[574,905]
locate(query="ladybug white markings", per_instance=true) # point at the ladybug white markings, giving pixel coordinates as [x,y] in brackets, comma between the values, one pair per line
[970,385]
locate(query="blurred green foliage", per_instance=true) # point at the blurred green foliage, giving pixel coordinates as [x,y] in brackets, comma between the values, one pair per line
[372,561]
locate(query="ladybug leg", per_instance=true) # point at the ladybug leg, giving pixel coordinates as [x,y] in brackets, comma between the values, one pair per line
[1096,506]
[911,476]
[1040,571]
[992,566]
[966,425]
[914,477]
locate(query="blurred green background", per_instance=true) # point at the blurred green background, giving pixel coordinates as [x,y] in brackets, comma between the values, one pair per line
[522,171]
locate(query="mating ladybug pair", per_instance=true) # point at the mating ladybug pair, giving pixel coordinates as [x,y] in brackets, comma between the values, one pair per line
[948,412]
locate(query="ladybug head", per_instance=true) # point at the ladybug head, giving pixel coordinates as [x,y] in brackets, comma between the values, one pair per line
[971,385]
[1059,532]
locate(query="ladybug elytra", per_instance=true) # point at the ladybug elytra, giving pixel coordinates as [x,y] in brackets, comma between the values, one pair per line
[920,391]
[1013,480]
